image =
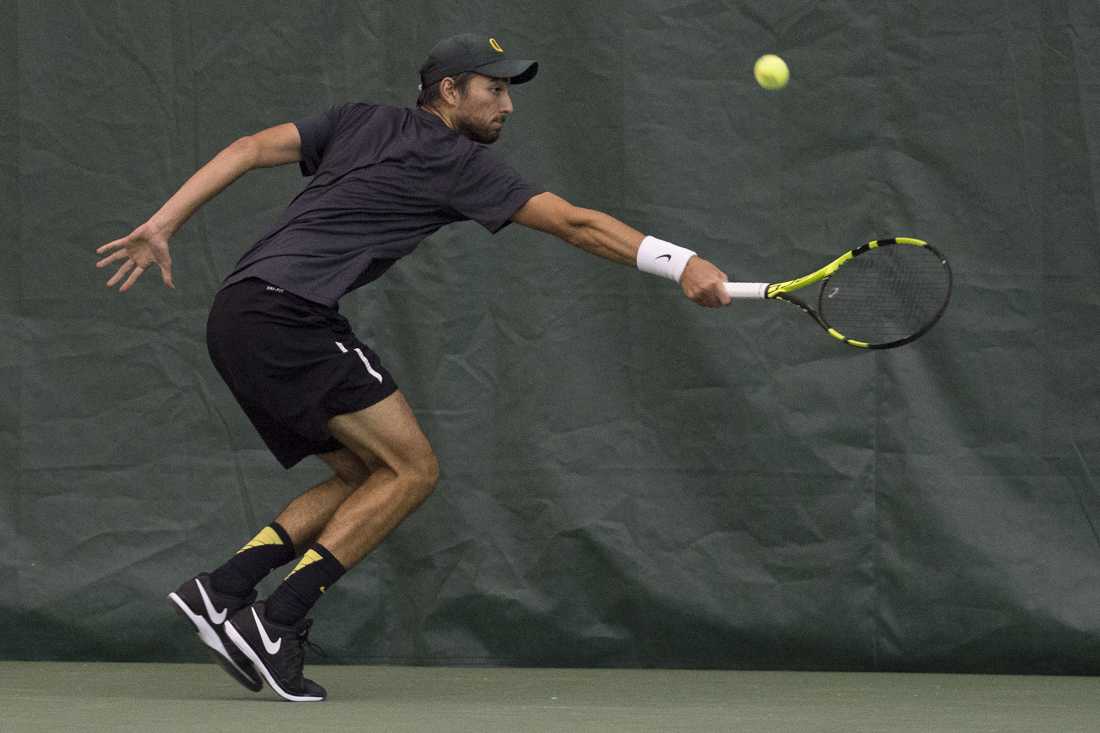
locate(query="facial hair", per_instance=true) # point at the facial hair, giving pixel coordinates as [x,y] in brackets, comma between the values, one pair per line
[478,133]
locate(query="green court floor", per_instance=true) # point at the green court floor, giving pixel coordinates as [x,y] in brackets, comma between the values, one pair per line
[54,697]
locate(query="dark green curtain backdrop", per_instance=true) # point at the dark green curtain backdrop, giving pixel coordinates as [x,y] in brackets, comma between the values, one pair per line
[627,479]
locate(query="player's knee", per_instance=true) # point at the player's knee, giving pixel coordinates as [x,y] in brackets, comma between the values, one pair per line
[425,473]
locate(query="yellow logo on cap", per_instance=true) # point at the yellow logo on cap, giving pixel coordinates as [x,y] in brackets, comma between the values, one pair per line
[495,45]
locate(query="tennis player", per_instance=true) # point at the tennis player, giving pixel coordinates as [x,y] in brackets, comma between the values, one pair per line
[381,180]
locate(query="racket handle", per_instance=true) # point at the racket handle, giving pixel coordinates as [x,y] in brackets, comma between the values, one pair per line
[747,290]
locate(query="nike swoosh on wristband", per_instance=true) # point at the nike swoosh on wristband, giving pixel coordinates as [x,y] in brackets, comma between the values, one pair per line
[272,647]
[667,257]
[218,617]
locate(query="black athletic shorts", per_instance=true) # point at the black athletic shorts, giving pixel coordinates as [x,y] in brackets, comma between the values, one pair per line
[292,364]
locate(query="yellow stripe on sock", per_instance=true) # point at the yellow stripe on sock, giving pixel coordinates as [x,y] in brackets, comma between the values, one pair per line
[309,558]
[267,536]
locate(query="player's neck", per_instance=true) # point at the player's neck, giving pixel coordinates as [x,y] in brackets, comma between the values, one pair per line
[446,121]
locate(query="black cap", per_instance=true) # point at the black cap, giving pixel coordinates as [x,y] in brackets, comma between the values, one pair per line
[471,52]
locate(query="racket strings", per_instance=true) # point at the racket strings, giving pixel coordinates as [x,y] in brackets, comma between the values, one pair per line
[887,294]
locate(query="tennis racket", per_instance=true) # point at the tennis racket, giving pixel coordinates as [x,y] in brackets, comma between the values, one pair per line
[886,293]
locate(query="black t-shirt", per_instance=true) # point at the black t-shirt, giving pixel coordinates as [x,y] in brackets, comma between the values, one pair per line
[384,178]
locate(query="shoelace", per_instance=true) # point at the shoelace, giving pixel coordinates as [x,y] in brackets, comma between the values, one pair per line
[296,655]
[303,636]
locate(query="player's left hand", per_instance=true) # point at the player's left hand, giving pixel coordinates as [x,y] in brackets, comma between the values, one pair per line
[704,283]
[140,249]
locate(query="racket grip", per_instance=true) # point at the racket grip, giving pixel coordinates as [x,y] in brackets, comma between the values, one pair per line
[747,290]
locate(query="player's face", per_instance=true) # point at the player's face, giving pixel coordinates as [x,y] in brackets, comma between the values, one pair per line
[483,109]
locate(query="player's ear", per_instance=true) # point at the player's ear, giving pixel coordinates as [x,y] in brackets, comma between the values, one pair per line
[449,91]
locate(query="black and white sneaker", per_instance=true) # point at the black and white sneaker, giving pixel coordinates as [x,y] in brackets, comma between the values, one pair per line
[198,602]
[276,651]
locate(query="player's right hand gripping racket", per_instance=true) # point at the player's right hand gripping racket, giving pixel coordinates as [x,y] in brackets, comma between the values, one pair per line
[883,294]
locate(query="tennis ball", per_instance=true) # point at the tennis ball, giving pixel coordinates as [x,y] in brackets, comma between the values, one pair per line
[771,72]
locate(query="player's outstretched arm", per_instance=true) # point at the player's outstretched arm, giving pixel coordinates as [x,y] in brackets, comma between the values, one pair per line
[606,236]
[147,245]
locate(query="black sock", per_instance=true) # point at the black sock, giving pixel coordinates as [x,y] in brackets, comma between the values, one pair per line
[315,572]
[268,550]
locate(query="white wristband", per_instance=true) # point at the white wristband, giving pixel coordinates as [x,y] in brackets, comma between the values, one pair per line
[658,257]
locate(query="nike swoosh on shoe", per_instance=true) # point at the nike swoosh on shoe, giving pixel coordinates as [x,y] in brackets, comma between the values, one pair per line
[218,617]
[272,647]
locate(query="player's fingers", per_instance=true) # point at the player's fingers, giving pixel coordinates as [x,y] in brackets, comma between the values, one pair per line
[705,299]
[163,260]
[120,273]
[710,296]
[133,277]
[111,245]
[119,255]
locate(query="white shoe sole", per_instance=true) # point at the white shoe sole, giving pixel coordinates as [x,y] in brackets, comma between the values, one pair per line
[206,633]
